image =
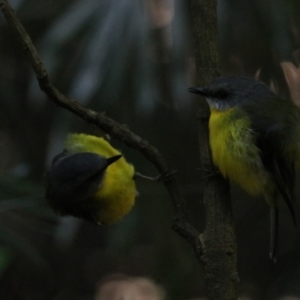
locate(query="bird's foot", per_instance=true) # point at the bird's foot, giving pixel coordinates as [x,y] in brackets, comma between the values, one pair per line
[208,173]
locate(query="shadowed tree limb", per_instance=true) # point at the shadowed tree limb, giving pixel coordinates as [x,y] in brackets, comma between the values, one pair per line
[218,239]
[108,125]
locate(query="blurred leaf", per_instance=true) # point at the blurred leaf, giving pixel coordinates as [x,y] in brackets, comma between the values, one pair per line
[21,245]
[6,257]
[13,187]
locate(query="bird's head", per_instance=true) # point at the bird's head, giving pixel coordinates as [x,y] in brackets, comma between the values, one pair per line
[73,179]
[227,92]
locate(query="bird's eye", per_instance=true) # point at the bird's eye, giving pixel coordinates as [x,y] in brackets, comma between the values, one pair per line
[223,93]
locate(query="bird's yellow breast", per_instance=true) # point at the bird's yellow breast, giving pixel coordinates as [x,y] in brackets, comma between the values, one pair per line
[234,151]
[116,194]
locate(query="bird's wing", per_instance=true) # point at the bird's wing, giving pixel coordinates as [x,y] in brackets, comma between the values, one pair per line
[273,122]
[274,130]
[271,140]
[270,143]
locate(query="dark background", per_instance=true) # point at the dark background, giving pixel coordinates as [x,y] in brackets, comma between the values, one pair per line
[134,60]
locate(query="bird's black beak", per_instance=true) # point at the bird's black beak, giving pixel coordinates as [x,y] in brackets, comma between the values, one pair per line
[199,91]
[112,159]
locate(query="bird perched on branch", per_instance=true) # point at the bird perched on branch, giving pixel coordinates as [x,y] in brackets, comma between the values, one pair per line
[254,137]
[91,180]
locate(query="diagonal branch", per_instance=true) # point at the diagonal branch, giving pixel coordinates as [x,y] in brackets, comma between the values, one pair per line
[108,125]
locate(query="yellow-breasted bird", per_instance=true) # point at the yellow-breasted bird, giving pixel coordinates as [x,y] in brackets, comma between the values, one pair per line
[91,180]
[254,137]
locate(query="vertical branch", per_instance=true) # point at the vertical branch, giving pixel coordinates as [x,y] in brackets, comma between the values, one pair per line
[218,239]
